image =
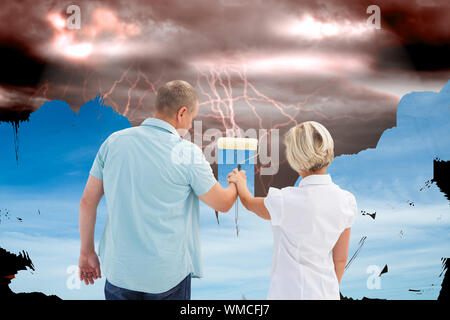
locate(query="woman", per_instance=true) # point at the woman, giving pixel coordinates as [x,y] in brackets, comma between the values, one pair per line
[310,223]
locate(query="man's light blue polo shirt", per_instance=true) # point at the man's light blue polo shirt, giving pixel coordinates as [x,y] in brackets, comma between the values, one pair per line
[152,179]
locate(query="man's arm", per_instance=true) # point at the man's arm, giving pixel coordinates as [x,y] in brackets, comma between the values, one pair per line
[88,263]
[340,253]
[220,199]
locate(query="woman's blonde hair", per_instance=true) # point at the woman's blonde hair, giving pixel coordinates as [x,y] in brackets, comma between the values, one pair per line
[309,147]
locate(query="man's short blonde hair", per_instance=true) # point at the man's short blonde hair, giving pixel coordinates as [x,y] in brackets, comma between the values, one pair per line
[309,147]
[174,95]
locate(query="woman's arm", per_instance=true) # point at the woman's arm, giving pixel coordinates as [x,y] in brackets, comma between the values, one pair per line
[340,253]
[253,204]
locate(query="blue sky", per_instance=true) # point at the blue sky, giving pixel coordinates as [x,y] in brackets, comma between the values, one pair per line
[57,147]
[384,179]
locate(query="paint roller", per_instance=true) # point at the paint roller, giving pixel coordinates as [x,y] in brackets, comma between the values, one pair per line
[237,153]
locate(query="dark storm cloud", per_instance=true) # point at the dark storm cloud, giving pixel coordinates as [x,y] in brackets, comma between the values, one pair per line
[421,30]
[302,57]
[355,116]
[16,62]
[424,33]
[20,77]
[421,57]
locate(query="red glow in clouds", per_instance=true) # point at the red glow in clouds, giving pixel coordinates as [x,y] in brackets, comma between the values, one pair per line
[84,42]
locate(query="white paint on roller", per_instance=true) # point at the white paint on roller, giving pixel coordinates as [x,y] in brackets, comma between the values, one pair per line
[238,143]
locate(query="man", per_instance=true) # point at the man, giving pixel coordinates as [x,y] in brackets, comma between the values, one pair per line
[152,180]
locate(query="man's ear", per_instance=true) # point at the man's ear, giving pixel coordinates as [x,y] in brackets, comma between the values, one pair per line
[181,112]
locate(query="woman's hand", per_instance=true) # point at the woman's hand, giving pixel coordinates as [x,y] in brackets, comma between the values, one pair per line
[250,203]
[238,177]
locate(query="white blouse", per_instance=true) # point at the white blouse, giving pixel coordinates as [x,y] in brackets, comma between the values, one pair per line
[306,222]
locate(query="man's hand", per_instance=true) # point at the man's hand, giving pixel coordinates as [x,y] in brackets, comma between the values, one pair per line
[238,177]
[89,267]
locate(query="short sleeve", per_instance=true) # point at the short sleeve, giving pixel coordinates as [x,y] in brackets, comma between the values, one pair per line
[201,175]
[274,204]
[99,161]
[353,210]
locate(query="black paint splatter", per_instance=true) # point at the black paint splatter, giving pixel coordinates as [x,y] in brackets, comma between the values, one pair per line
[10,265]
[15,118]
[441,172]
[427,185]
[4,213]
[361,243]
[385,270]
[342,297]
[372,215]
[416,291]
[21,70]
[444,294]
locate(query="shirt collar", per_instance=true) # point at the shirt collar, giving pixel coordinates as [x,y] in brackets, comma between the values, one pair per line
[316,179]
[154,122]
